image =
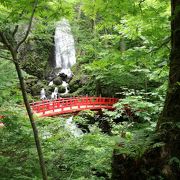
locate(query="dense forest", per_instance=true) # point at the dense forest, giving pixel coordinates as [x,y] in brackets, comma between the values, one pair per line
[126,52]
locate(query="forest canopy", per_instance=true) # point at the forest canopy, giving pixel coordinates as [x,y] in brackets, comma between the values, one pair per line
[123,49]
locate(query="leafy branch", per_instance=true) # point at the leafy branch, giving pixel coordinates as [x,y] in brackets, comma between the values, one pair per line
[29,26]
[14,52]
[164,43]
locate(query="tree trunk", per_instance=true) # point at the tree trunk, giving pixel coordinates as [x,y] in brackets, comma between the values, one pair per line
[170,118]
[13,48]
[33,125]
[171,111]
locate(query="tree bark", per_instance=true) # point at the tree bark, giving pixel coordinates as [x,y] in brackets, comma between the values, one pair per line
[171,111]
[30,114]
[168,122]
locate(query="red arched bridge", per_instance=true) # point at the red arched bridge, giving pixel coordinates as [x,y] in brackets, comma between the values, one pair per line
[71,105]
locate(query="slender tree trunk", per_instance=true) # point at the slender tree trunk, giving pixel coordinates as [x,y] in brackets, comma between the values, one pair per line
[13,48]
[30,114]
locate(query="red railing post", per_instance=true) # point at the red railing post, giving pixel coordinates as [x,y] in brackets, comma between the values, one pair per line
[86,101]
[70,103]
[62,104]
[44,109]
[38,108]
[52,106]
[78,103]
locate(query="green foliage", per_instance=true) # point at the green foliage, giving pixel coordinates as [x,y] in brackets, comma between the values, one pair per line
[85,117]
[75,157]
[9,91]
[18,159]
[174,161]
[86,157]
[83,157]
[122,50]
[136,109]
[125,49]
[134,145]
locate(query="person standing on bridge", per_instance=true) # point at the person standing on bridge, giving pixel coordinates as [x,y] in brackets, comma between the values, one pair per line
[54,94]
[43,94]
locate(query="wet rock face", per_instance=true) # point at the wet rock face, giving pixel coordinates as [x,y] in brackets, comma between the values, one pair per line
[74,85]
[104,125]
[57,81]
[66,78]
[63,76]
[34,86]
[30,82]
[35,89]
[34,56]
[77,82]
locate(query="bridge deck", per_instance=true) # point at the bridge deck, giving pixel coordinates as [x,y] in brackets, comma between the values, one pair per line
[71,105]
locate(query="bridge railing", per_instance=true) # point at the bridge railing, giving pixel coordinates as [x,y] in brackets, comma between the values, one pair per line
[78,102]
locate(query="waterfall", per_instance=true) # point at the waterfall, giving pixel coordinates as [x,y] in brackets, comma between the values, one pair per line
[64,47]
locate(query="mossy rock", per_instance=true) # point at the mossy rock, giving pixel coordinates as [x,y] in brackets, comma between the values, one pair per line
[50,89]
[78,92]
[74,85]
[36,55]
[65,95]
[36,89]
[61,89]
[30,82]
[57,81]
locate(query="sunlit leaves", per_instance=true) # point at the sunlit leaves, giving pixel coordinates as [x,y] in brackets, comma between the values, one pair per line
[141,27]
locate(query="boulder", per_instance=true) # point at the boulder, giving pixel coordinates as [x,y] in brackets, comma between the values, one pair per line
[57,81]
[35,89]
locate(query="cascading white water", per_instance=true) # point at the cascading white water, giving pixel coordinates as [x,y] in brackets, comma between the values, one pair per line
[65,85]
[64,55]
[64,47]
[71,126]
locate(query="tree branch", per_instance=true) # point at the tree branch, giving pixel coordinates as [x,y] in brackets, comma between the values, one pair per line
[17,26]
[15,30]
[6,43]
[29,26]
[166,41]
